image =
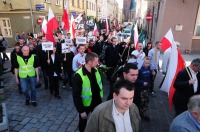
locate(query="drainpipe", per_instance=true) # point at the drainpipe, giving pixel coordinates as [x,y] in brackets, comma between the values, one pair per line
[31,10]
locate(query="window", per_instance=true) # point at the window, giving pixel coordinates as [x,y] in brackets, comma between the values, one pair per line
[5,27]
[87,5]
[57,2]
[48,1]
[197,26]
[94,7]
[72,2]
[78,3]
[91,6]
[82,4]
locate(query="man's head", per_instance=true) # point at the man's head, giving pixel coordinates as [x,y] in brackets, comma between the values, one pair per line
[195,65]
[92,59]
[123,95]
[17,47]
[31,47]
[140,47]
[146,63]
[21,42]
[130,72]
[68,35]
[114,40]
[194,107]
[25,50]
[81,49]
[158,45]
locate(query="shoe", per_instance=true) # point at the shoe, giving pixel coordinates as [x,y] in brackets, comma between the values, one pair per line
[70,87]
[34,104]
[145,117]
[63,86]
[4,69]
[38,85]
[27,102]
[152,94]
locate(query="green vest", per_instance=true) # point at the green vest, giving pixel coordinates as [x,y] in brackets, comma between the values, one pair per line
[26,69]
[86,93]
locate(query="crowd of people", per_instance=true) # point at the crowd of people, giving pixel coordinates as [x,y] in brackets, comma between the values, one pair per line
[131,73]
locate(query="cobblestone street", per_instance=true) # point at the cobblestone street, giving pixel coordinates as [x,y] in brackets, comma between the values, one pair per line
[60,115]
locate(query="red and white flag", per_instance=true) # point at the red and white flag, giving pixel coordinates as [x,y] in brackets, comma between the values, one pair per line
[72,28]
[65,19]
[107,26]
[136,36]
[44,26]
[52,24]
[95,30]
[176,63]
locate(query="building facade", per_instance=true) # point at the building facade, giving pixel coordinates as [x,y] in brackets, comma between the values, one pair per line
[18,16]
[129,11]
[184,22]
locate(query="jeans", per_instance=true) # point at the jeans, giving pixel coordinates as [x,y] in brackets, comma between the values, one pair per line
[67,78]
[25,83]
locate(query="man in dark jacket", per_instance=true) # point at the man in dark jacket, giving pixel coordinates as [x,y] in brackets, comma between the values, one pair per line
[87,89]
[187,84]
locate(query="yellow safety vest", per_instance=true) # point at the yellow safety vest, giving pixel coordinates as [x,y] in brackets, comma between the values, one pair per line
[26,69]
[86,93]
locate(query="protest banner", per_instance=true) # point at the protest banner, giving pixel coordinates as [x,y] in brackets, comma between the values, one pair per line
[65,48]
[35,35]
[47,45]
[80,40]
[68,41]
[91,38]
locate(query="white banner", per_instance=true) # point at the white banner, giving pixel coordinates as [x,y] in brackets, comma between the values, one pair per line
[65,48]
[80,40]
[91,38]
[47,45]
[68,41]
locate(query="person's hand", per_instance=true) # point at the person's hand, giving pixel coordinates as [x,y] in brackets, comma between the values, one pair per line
[64,59]
[153,73]
[84,115]
[79,64]
[192,81]
[17,80]
[145,83]
[48,61]
[37,79]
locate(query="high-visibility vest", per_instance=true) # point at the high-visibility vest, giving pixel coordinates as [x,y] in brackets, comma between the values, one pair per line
[86,93]
[26,69]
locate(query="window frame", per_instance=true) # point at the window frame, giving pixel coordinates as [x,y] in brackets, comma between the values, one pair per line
[47,1]
[9,28]
[58,2]
[195,29]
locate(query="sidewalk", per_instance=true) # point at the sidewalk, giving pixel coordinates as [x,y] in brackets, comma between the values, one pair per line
[61,116]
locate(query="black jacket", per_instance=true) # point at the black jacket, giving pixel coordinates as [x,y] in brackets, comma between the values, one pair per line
[13,59]
[54,66]
[42,56]
[77,89]
[183,89]
[67,65]
[112,56]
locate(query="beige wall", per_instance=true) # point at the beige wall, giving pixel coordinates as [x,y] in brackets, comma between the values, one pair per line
[173,12]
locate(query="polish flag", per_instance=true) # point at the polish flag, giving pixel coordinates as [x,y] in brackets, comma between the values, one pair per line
[65,19]
[95,30]
[44,26]
[52,24]
[136,36]
[176,64]
[72,28]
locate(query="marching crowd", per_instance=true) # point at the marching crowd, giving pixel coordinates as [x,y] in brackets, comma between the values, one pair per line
[130,70]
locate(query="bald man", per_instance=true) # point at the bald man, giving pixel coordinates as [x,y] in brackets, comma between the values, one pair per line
[26,66]
[139,54]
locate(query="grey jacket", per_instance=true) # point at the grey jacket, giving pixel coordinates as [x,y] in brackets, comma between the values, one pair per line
[101,119]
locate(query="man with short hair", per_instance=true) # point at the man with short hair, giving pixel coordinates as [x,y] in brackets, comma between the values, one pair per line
[154,55]
[118,114]
[139,53]
[187,84]
[26,66]
[79,59]
[189,121]
[87,88]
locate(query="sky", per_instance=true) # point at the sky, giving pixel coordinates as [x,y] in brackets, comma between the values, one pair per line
[120,2]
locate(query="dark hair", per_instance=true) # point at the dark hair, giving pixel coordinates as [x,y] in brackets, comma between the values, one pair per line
[68,33]
[113,39]
[122,83]
[196,62]
[129,66]
[90,57]
[17,44]
[80,46]
[157,42]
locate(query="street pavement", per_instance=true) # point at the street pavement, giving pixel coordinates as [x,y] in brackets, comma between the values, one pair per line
[60,115]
